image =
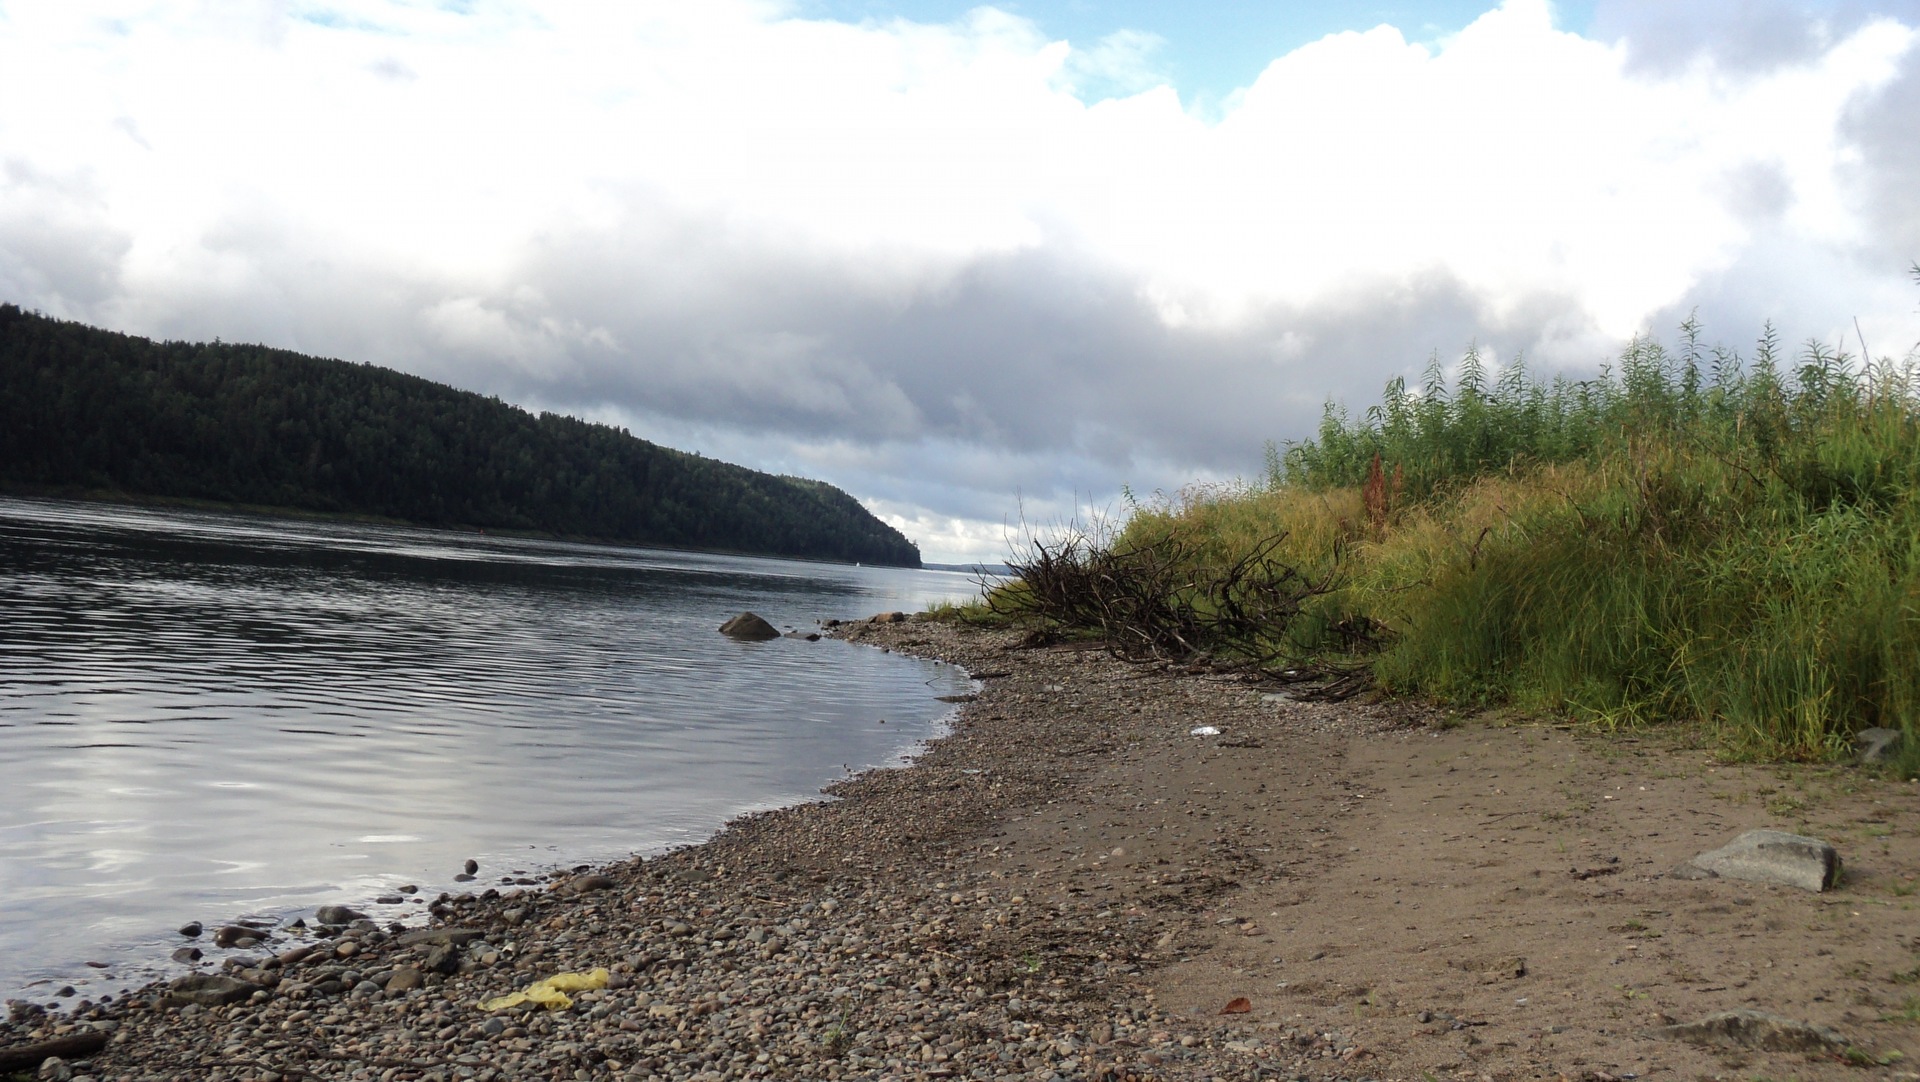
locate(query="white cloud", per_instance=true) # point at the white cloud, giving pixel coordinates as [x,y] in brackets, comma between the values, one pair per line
[923,258]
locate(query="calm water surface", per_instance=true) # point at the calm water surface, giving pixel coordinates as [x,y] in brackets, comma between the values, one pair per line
[205,716]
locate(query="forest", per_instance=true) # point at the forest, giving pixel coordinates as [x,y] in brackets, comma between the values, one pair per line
[90,412]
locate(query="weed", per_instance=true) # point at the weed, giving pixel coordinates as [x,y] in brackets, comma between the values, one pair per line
[1860,1057]
[975,613]
[1690,536]
[1909,1012]
[838,1037]
[1786,806]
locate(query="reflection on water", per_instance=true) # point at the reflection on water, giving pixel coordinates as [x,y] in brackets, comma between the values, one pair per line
[203,716]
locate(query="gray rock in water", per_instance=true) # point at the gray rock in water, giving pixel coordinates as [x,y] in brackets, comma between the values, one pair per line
[750,628]
[187,954]
[1768,856]
[337,914]
[209,990]
[1877,745]
[232,935]
[1754,1029]
[193,930]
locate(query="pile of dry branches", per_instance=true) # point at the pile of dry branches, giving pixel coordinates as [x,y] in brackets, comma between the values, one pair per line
[1159,601]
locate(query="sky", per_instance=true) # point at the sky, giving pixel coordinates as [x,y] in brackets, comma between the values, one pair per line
[984,267]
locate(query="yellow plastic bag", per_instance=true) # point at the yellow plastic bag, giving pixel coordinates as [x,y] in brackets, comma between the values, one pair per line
[552,992]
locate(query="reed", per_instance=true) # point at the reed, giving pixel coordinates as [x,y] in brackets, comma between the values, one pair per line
[1690,536]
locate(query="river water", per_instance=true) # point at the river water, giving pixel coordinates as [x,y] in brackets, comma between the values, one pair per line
[209,716]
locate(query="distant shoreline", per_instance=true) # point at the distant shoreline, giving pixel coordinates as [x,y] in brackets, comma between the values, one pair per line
[996,570]
[16,490]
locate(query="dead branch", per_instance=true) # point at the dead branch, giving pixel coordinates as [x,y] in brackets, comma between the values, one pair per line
[1158,601]
[72,1046]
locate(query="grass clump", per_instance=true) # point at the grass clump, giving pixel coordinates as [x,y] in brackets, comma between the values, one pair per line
[1690,536]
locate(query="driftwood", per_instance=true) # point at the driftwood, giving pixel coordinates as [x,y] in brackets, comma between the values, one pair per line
[72,1046]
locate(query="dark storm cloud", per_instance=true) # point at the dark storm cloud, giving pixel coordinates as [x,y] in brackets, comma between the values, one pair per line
[1015,387]
[1032,353]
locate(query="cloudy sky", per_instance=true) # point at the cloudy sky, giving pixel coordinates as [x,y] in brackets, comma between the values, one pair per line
[961,261]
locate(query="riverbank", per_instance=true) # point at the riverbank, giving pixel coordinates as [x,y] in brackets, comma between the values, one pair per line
[1075,885]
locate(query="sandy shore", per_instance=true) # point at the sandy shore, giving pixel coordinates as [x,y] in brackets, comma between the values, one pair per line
[1075,886]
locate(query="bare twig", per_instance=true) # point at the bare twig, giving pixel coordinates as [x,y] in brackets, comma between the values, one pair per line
[1160,601]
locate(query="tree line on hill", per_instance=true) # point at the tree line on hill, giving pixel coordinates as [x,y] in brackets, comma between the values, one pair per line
[94,411]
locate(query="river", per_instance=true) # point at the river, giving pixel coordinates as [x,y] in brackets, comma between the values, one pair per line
[207,716]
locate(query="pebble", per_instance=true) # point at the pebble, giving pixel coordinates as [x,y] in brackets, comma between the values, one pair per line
[833,940]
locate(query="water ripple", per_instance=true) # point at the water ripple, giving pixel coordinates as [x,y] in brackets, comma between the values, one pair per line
[203,714]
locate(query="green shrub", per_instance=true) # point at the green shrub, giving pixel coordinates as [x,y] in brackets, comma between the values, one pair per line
[1690,536]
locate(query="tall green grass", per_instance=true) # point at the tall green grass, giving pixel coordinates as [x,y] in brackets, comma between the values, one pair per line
[1691,535]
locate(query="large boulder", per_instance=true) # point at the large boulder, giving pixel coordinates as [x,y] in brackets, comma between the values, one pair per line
[750,628]
[1768,856]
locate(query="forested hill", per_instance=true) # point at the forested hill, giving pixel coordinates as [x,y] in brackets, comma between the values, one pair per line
[82,408]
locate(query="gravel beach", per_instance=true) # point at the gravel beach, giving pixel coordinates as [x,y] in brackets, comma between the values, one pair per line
[1075,885]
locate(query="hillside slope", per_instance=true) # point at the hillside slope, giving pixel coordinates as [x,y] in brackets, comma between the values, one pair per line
[88,409]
